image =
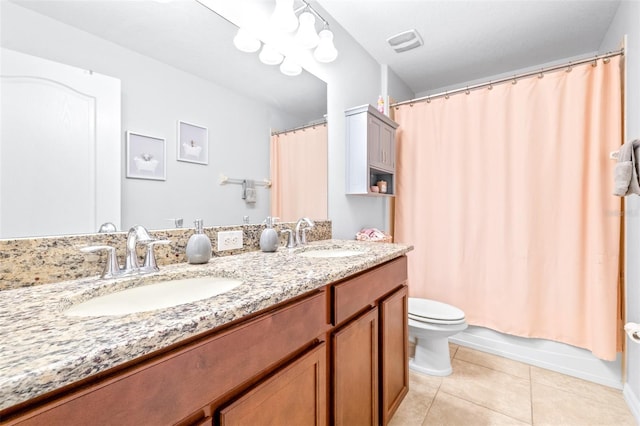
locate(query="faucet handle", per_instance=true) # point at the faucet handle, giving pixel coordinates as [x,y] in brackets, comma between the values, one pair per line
[150,258]
[290,242]
[303,237]
[111,267]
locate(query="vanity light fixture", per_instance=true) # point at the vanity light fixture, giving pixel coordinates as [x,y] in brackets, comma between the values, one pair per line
[279,41]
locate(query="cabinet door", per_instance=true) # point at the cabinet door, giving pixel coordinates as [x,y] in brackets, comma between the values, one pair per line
[355,372]
[374,129]
[387,148]
[296,395]
[394,365]
[381,145]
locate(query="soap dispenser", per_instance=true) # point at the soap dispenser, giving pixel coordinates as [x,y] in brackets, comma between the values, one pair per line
[269,240]
[199,245]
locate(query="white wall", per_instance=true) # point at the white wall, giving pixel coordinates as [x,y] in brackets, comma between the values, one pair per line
[352,80]
[396,88]
[627,22]
[154,97]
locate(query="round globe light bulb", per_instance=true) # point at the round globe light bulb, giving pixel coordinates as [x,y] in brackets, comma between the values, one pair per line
[270,56]
[326,51]
[283,16]
[307,37]
[245,42]
[290,68]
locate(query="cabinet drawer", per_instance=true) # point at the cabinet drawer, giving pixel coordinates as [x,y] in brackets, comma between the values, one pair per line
[164,389]
[355,294]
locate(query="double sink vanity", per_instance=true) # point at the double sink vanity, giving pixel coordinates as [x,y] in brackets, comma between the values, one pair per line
[312,335]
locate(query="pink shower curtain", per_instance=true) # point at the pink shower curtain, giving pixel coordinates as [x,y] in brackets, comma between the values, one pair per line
[506,195]
[299,174]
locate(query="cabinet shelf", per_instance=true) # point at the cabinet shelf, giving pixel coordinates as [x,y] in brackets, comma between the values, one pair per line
[371,154]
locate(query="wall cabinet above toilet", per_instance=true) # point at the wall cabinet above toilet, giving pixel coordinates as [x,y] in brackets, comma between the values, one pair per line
[371,151]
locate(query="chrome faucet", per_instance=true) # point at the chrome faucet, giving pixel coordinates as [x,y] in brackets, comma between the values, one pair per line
[302,239]
[137,234]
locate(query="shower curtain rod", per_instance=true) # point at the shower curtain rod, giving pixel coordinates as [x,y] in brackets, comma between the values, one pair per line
[513,79]
[306,126]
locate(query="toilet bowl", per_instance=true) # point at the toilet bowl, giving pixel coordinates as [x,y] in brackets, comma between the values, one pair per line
[431,324]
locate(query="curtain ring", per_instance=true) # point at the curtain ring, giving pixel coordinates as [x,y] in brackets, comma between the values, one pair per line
[514,81]
[428,100]
[595,62]
[606,60]
[411,105]
[490,86]
[540,74]
[446,95]
[569,67]
[467,91]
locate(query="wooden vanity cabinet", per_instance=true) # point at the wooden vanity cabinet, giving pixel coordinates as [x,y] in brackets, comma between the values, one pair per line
[370,374]
[184,385]
[335,356]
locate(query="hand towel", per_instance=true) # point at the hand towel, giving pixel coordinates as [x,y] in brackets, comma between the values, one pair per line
[626,172]
[250,194]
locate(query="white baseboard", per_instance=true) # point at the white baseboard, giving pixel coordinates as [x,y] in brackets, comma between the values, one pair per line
[632,401]
[565,359]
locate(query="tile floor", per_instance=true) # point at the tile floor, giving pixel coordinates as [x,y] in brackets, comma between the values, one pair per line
[486,389]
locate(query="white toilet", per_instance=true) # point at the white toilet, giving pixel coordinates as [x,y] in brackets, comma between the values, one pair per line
[430,324]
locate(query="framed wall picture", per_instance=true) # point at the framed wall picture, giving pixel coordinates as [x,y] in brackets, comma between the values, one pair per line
[146,157]
[193,143]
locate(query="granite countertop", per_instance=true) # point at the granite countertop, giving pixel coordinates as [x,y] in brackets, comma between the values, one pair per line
[42,349]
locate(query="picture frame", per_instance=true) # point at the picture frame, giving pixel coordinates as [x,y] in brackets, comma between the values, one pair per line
[192,143]
[146,157]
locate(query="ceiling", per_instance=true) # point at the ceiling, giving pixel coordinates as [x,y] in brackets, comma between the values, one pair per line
[473,39]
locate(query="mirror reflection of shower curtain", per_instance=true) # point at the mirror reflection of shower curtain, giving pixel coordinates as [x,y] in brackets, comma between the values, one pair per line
[506,195]
[299,174]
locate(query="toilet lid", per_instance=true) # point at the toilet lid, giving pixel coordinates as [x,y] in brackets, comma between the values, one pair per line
[426,310]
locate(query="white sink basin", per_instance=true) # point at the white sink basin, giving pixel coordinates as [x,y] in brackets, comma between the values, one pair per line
[153,296]
[330,253]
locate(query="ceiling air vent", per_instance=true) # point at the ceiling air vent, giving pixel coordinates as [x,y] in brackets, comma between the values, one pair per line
[404,41]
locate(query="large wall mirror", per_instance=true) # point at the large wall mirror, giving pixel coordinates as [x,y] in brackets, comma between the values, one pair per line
[175,63]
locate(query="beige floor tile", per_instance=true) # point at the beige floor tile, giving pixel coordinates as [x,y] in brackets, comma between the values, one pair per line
[494,362]
[498,391]
[424,382]
[581,387]
[553,406]
[448,410]
[414,407]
